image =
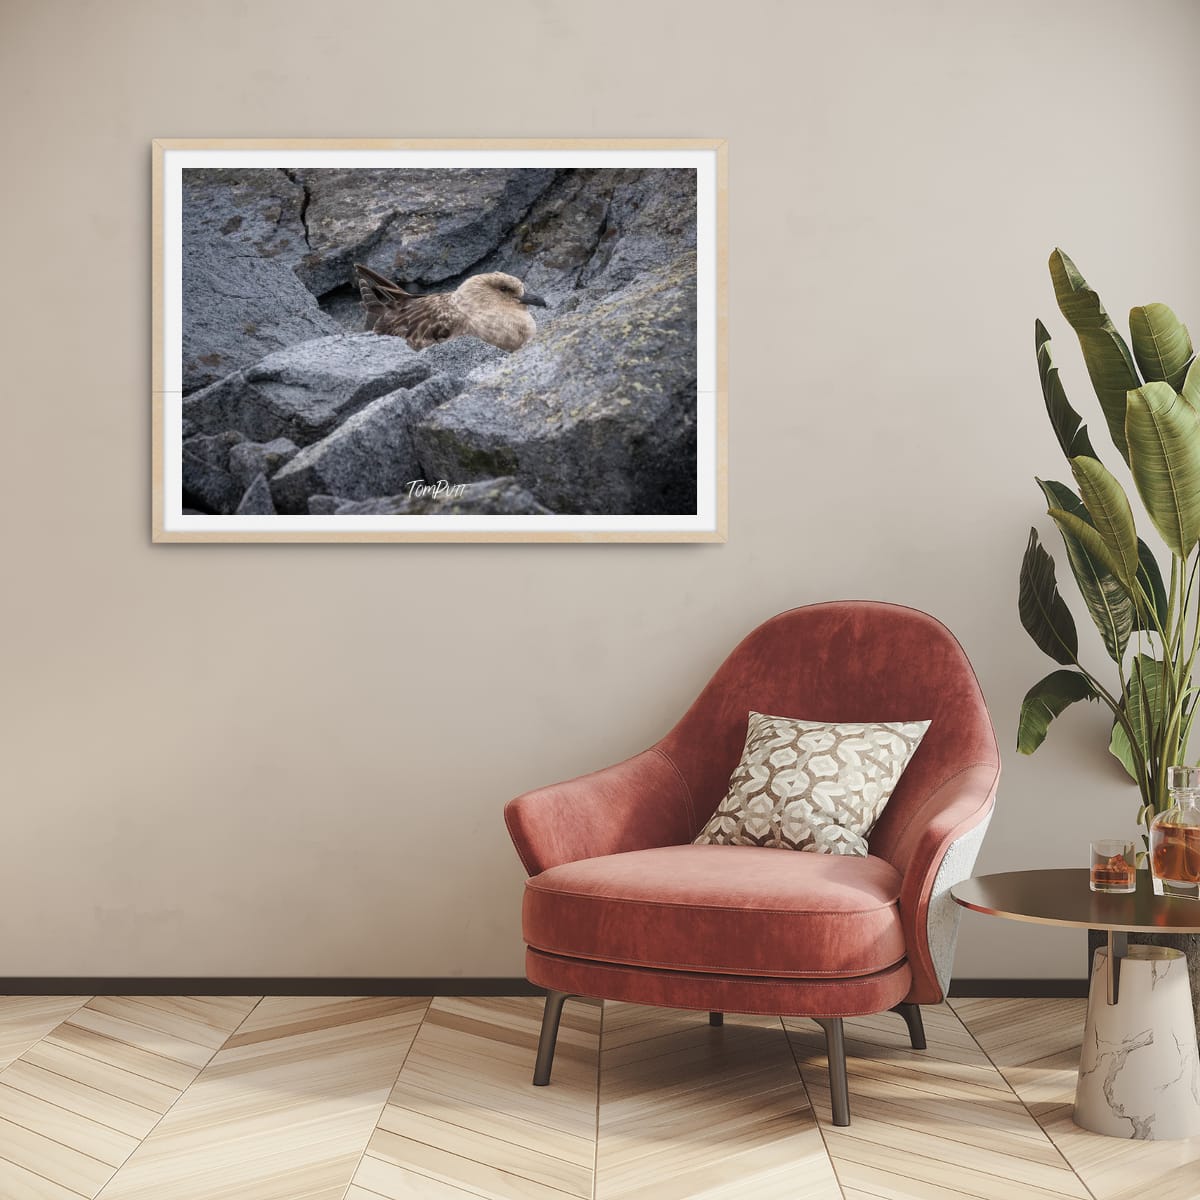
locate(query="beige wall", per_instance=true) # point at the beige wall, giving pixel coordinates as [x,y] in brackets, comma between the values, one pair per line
[255,760]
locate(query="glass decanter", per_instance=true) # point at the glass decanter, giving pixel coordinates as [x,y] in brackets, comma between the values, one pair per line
[1175,837]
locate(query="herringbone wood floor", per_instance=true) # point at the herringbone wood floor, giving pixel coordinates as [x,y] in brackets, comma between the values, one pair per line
[252,1098]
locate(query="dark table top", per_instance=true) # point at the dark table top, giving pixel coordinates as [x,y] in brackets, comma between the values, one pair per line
[1061,896]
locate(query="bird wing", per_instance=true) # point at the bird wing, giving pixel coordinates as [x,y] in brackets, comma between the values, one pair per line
[421,320]
[425,320]
[376,290]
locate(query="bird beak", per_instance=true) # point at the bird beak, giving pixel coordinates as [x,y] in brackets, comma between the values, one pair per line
[530,298]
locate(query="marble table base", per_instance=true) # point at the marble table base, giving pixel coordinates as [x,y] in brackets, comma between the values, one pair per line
[1139,1076]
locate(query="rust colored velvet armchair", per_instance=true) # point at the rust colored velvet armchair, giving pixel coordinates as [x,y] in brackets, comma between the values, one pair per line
[620,905]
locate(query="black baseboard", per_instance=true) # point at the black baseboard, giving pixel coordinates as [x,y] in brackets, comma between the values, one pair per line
[452,986]
[271,986]
[1005,988]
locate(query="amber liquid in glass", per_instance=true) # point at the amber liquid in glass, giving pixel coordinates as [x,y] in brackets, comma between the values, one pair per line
[1175,855]
[1112,874]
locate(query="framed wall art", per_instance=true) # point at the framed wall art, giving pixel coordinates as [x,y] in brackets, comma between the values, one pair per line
[439,341]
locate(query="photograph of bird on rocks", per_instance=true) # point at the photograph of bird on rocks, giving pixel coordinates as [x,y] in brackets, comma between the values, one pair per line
[458,340]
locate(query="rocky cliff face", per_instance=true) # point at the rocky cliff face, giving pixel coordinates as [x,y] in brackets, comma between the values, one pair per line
[289,409]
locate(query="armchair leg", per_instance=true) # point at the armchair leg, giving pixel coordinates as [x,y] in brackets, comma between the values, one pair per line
[549,1037]
[835,1049]
[916,1027]
[715,1018]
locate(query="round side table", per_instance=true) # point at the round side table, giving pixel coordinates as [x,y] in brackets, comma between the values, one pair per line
[1139,1075]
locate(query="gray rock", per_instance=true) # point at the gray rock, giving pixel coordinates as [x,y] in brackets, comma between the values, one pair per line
[344,305]
[421,226]
[494,497]
[559,235]
[594,231]
[257,500]
[570,219]
[462,356]
[205,469]
[243,234]
[258,210]
[370,454]
[248,460]
[304,392]
[597,414]
[238,308]
[651,218]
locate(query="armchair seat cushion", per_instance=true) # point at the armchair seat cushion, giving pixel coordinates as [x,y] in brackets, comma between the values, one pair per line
[737,910]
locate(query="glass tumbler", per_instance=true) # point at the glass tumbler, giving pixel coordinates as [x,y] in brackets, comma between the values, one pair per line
[1113,865]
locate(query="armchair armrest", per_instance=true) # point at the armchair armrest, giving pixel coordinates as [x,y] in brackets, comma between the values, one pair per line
[936,851]
[639,803]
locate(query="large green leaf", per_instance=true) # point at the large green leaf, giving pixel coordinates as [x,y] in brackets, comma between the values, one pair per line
[1045,701]
[1109,362]
[1108,603]
[1191,385]
[1083,529]
[1151,581]
[1043,611]
[1143,692]
[1161,344]
[1108,506]
[1118,747]
[1068,425]
[1164,455]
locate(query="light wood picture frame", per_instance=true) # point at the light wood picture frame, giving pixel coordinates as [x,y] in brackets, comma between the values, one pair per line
[298,397]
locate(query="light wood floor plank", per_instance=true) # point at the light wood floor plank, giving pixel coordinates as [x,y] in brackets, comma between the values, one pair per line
[76,1097]
[464,1114]
[945,1173]
[511,1094]
[387,1150]
[145,1037]
[51,1115]
[1037,1177]
[703,1111]
[944,1118]
[284,1110]
[293,1017]
[408,1186]
[25,1020]
[222,1013]
[166,1014]
[888,1185]
[540,1166]
[123,1055]
[571,1147]
[16,1183]
[958,1126]
[52,1160]
[1018,1031]
[80,1133]
[102,1077]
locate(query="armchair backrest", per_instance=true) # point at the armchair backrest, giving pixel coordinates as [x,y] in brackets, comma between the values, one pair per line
[851,660]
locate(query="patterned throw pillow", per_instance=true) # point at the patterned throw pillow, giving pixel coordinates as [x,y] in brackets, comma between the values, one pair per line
[809,785]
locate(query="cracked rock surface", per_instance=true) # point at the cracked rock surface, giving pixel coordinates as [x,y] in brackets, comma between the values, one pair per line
[288,406]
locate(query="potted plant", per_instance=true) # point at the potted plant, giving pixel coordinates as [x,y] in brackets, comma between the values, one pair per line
[1149,394]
